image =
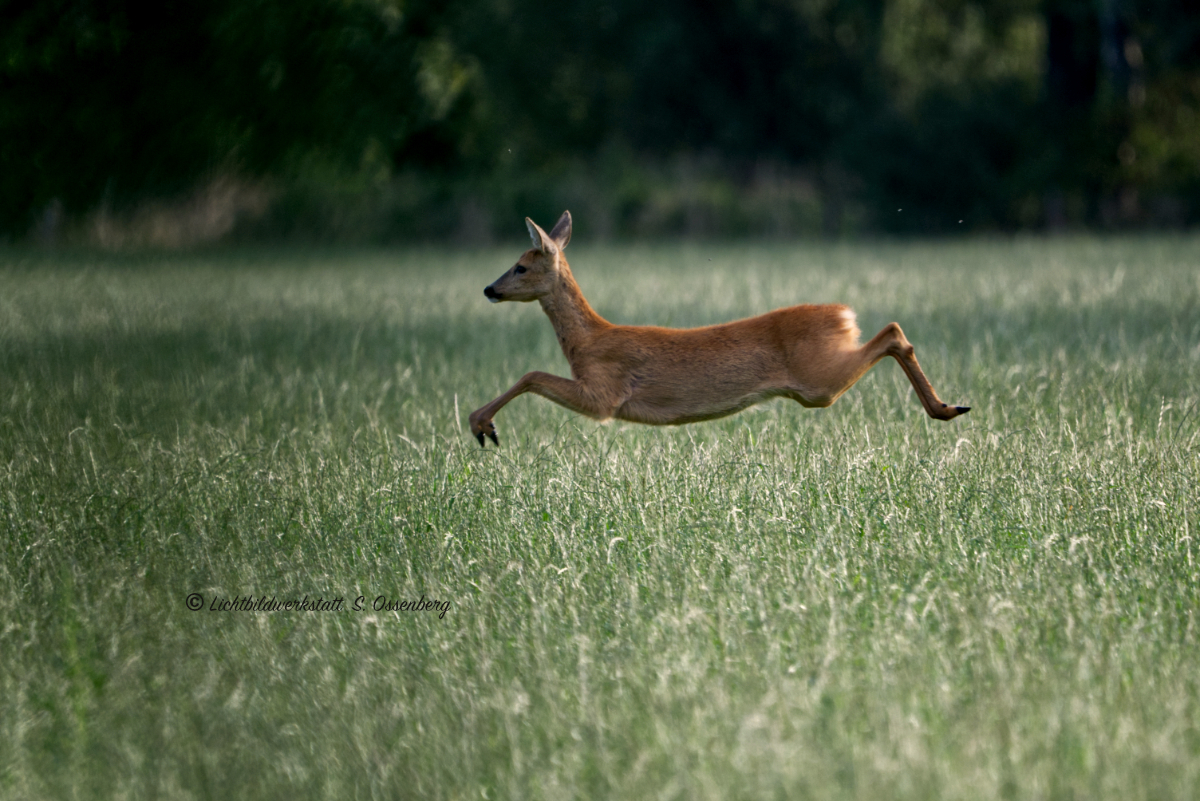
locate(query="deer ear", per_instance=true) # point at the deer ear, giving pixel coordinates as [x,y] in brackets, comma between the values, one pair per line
[562,231]
[541,241]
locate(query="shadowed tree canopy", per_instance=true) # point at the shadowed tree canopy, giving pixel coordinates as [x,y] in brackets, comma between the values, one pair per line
[109,101]
[950,108]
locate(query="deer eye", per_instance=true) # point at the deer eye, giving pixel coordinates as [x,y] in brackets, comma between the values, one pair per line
[520,268]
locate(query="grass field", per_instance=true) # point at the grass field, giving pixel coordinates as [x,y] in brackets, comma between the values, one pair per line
[855,602]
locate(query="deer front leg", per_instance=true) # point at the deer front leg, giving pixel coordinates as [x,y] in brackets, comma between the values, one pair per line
[572,394]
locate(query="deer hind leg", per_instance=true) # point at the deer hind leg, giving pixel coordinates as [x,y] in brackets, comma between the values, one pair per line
[892,342]
[572,394]
[821,387]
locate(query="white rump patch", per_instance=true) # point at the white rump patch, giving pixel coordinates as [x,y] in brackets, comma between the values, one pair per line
[850,320]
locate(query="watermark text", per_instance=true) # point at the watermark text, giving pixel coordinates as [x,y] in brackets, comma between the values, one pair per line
[262,603]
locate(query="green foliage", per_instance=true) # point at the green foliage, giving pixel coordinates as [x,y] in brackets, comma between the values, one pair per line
[109,102]
[1001,114]
[838,603]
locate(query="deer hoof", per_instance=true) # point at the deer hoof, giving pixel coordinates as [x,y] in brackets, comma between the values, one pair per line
[485,428]
[948,412]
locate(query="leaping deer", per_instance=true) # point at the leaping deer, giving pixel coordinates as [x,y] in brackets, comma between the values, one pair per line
[671,376]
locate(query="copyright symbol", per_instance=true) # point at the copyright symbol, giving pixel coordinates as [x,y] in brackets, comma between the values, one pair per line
[195,601]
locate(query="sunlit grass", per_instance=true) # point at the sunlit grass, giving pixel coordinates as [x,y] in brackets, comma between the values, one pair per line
[855,602]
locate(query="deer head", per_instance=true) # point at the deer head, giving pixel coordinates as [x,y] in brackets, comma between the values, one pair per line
[538,270]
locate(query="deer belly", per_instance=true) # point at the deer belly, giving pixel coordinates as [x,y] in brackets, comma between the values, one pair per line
[666,402]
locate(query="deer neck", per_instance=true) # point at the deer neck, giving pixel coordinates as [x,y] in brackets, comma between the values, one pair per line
[574,320]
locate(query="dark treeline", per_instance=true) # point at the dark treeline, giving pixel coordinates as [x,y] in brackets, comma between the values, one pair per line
[399,118]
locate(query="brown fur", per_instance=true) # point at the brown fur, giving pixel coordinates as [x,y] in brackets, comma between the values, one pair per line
[670,376]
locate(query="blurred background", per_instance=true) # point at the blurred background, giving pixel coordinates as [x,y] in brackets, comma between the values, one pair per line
[193,121]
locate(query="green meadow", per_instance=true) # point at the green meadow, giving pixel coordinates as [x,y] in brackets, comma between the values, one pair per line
[849,603]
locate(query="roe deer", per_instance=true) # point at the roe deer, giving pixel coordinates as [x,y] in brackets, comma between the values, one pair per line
[669,376]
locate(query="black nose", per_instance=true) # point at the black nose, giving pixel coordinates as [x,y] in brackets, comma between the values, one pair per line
[488,292]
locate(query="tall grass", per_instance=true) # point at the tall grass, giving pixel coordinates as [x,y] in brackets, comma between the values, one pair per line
[855,602]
